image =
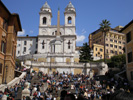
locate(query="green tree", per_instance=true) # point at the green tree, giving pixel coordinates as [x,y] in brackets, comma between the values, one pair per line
[119,60]
[85,55]
[18,63]
[104,27]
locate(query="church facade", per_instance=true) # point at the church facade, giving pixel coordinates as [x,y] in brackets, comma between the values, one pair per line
[54,43]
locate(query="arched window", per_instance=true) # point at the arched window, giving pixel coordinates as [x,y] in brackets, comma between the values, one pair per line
[55,32]
[69,20]
[44,20]
[35,52]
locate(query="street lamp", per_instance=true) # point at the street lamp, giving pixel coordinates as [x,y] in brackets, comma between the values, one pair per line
[6,75]
[91,52]
[31,60]
[50,63]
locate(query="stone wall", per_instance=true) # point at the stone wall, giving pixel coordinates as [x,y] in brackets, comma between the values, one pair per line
[13,82]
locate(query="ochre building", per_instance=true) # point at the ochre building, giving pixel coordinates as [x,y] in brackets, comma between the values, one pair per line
[114,43]
[9,26]
[128,30]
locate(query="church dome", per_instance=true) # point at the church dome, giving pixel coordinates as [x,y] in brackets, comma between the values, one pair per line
[46,5]
[70,5]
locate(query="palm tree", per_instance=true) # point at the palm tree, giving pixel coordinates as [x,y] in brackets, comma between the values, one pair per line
[104,27]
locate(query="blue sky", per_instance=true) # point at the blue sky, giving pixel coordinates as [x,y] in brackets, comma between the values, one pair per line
[89,13]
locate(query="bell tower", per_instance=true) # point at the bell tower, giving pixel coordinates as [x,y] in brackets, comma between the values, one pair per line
[70,15]
[45,15]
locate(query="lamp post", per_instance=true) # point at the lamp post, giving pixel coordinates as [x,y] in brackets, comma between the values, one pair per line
[50,63]
[31,61]
[6,75]
[91,52]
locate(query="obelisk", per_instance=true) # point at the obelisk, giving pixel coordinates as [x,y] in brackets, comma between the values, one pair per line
[58,41]
[58,23]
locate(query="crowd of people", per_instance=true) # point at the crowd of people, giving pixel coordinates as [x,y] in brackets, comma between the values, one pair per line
[64,86]
[78,85]
[11,92]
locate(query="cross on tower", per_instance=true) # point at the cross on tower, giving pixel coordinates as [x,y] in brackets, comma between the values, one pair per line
[43,44]
[69,44]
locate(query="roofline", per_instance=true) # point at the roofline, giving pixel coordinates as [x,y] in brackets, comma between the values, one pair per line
[19,23]
[27,36]
[99,30]
[126,25]
[5,7]
[13,14]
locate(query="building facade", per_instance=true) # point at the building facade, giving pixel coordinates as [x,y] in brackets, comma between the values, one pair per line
[128,30]
[114,42]
[54,43]
[9,26]
[98,51]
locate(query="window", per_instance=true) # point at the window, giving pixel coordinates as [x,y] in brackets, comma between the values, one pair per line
[5,25]
[115,46]
[24,49]
[123,42]
[120,53]
[25,42]
[36,39]
[111,45]
[3,47]
[120,42]
[119,47]
[115,41]
[42,46]
[129,57]
[111,40]
[12,50]
[96,55]
[128,35]
[44,20]
[107,51]
[69,44]
[107,45]
[18,52]
[14,54]
[43,43]
[53,33]
[116,52]
[0,68]
[69,20]
[101,49]
[111,51]
[35,52]
[18,45]
[36,46]
[131,75]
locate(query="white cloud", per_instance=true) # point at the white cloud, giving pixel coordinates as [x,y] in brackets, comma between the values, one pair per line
[80,38]
[31,31]
[22,33]
[83,31]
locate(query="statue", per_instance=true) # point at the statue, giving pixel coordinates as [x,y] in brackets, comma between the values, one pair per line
[26,91]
